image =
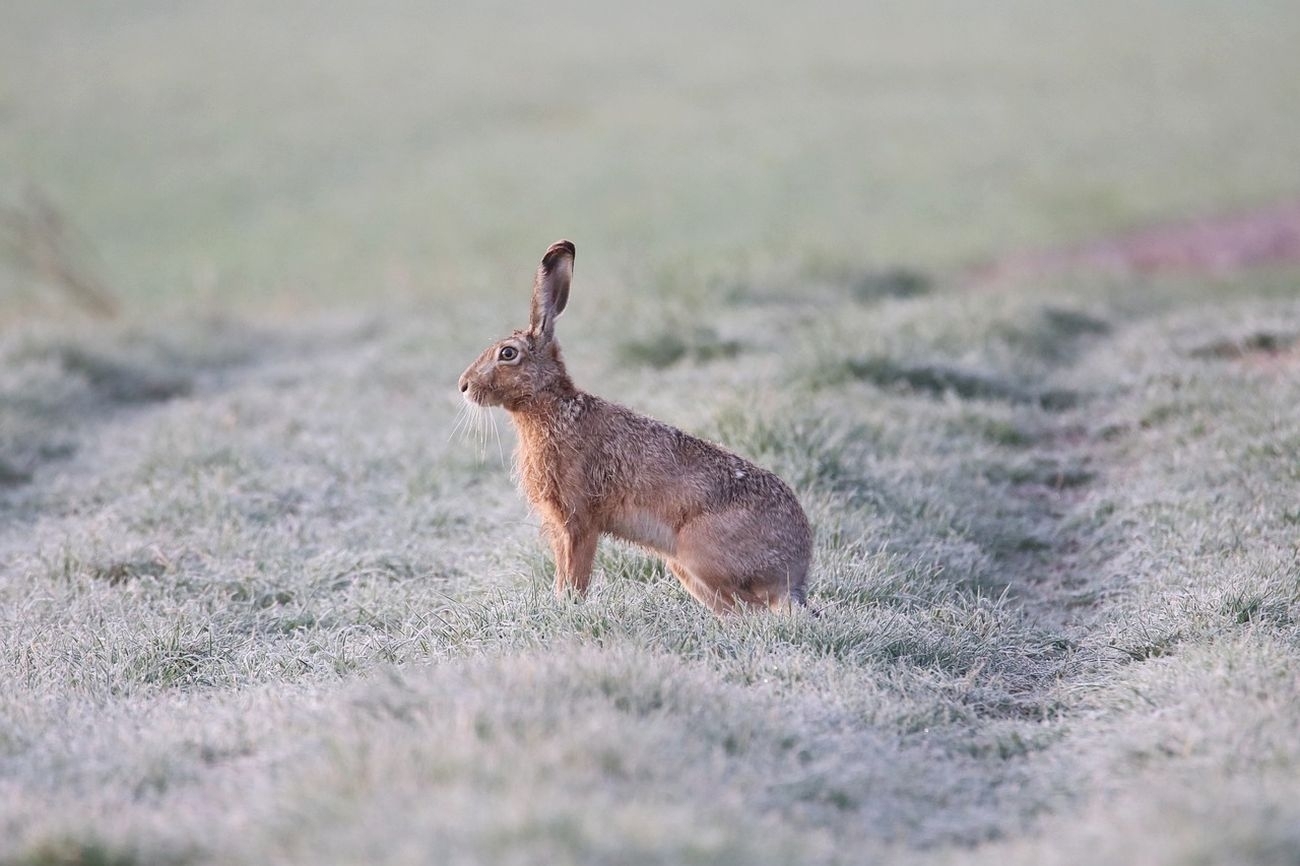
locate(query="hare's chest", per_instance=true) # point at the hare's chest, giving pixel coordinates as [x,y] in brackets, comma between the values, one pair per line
[546,480]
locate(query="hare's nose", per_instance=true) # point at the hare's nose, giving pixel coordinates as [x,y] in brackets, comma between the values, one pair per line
[464,386]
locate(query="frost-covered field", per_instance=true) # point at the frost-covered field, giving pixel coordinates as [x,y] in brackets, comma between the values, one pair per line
[258,605]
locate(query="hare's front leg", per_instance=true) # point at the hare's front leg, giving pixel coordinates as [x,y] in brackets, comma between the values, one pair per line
[575,550]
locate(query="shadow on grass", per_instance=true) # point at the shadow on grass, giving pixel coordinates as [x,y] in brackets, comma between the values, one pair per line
[873,286]
[1253,343]
[671,346]
[938,379]
[57,387]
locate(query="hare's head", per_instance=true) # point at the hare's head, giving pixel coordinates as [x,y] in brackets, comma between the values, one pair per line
[513,371]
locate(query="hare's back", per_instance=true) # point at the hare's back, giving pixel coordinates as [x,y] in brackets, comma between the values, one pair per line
[663,463]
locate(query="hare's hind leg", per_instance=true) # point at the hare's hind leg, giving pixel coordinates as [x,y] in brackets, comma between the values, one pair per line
[729,557]
[715,600]
[722,597]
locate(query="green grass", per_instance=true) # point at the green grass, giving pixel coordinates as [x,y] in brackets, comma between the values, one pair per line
[230,151]
[258,605]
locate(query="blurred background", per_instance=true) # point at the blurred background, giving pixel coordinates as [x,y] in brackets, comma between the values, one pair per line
[298,155]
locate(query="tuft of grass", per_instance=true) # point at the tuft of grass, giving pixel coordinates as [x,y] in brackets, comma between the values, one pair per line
[58,387]
[937,379]
[122,571]
[891,283]
[122,382]
[70,852]
[934,379]
[1070,323]
[1055,334]
[1254,343]
[700,345]
[1048,472]
[37,239]
[11,475]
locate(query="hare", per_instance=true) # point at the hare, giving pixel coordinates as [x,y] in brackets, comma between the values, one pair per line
[734,534]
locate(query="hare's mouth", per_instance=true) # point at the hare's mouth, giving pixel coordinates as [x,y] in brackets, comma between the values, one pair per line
[479,397]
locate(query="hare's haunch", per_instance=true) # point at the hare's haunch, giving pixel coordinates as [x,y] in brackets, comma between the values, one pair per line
[733,533]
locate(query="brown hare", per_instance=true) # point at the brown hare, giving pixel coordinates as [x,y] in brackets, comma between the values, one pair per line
[732,533]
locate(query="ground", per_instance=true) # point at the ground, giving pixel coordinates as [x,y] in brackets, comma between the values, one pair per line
[258,604]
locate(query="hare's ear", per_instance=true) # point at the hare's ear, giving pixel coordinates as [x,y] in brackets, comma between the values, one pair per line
[551,289]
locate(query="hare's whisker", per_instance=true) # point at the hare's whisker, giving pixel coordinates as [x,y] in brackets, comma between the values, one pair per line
[466,426]
[481,422]
[459,422]
[496,431]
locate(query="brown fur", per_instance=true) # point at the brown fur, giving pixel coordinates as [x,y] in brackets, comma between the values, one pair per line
[733,533]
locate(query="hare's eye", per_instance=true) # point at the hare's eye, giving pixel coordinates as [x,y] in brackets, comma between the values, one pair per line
[508,353]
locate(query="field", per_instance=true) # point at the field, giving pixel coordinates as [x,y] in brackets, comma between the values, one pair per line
[258,604]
